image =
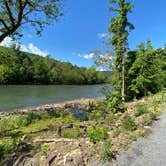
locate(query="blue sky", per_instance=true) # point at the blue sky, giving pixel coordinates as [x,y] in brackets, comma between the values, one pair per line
[78,33]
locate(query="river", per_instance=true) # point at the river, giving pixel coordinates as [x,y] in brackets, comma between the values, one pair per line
[22,96]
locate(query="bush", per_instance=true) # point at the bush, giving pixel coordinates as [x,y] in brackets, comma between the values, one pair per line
[114,103]
[22,121]
[141,109]
[7,145]
[105,154]
[153,115]
[97,133]
[54,113]
[96,114]
[128,124]
[7,125]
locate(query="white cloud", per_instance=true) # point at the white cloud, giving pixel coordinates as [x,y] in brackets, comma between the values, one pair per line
[31,48]
[24,48]
[101,69]
[35,50]
[87,56]
[102,35]
[7,42]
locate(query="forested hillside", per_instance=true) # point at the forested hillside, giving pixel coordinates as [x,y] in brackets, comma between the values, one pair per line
[18,67]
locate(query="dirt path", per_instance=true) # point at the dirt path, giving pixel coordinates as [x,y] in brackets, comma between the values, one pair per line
[149,151]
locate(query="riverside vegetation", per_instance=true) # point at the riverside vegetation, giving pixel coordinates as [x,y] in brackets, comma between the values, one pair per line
[62,138]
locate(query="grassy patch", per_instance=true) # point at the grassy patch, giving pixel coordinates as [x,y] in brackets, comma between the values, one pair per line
[105,153]
[141,109]
[97,133]
[116,132]
[128,124]
[72,133]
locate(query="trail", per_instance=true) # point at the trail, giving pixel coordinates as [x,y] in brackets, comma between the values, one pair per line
[150,151]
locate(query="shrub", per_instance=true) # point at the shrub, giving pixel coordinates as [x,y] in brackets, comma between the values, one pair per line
[54,113]
[153,115]
[128,124]
[85,116]
[141,109]
[105,154]
[114,102]
[22,121]
[32,117]
[96,114]
[147,120]
[7,145]
[97,133]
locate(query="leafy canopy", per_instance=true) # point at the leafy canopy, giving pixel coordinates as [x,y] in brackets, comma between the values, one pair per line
[37,13]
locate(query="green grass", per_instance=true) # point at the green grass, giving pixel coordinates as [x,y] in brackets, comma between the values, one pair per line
[128,124]
[116,132]
[141,109]
[105,153]
[97,133]
[12,129]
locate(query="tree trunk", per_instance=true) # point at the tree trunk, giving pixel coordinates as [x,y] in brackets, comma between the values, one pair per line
[123,79]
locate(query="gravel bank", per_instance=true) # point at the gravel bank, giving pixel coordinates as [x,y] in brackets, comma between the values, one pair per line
[149,151]
[80,104]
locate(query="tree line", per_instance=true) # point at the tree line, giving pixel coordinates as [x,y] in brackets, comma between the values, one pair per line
[145,70]
[134,73]
[17,67]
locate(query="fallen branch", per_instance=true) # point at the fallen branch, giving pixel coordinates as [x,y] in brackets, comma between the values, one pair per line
[54,140]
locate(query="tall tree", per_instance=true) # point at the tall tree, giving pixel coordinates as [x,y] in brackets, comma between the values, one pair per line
[119,30]
[143,71]
[37,13]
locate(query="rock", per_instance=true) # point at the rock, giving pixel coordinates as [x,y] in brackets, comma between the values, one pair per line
[148,130]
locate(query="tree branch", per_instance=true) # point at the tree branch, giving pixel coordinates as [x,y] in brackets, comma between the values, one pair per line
[4,24]
[9,13]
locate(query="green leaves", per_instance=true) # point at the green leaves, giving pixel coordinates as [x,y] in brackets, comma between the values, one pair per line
[39,13]
[143,71]
[119,29]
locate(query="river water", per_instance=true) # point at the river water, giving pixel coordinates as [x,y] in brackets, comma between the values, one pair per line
[21,96]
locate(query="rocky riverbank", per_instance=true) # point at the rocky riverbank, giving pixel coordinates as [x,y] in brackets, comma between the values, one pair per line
[80,104]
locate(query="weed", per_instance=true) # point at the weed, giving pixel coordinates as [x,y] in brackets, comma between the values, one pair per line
[97,133]
[132,137]
[114,102]
[128,124]
[141,133]
[110,118]
[141,109]
[105,154]
[116,132]
[44,149]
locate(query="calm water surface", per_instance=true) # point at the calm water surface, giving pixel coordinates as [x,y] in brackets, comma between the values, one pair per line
[13,97]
